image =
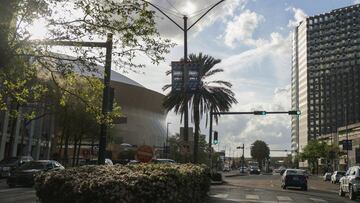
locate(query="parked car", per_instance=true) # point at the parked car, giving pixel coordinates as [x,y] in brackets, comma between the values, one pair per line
[327,177]
[335,177]
[11,163]
[243,169]
[163,161]
[254,170]
[226,169]
[131,162]
[350,183]
[25,174]
[95,162]
[278,170]
[294,178]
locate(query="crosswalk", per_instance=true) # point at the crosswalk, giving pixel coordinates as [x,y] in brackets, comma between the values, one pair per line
[266,198]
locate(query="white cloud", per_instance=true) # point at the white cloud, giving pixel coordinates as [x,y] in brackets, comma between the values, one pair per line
[242,27]
[356,2]
[299,15]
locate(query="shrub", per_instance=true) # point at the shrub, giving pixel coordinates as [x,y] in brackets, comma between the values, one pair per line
[134,183]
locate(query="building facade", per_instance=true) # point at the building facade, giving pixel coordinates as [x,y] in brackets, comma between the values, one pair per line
[144,123]
[326,74]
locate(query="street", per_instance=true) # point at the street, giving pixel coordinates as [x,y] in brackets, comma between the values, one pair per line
[253,188]
[266,189]
[17,194]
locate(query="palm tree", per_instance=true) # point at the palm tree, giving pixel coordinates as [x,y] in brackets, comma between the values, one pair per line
[212,96]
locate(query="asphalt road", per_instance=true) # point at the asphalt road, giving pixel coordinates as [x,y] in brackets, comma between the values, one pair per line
[266,189]
[247,189]
[17,194]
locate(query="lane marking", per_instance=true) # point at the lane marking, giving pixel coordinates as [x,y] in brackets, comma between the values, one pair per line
[284,198]
[221,196]
[318,200]
[11,189]
[252,196]
[252,200]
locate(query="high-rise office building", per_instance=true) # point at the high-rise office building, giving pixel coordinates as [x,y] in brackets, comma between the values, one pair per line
[325,74]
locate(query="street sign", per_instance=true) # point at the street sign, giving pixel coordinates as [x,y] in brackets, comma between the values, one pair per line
[144,153]
[193,76]
[188,73]
[177,76]
[347,144]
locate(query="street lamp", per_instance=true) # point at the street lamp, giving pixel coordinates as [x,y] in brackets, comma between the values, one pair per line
[185,30]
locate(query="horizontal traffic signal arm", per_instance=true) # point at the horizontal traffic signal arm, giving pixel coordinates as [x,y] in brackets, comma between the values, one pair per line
[257,112]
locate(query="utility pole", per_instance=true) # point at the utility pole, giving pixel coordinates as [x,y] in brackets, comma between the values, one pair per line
[185,29]
[167,139]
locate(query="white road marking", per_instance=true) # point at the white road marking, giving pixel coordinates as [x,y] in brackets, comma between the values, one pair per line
[318,200]
[252,197]
[252,200]
[11,189]
[284,198]
[221,196]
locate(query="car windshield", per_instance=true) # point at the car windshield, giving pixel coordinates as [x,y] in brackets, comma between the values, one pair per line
[34,165]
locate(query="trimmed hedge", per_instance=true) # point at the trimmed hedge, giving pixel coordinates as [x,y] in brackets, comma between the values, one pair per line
[134,183]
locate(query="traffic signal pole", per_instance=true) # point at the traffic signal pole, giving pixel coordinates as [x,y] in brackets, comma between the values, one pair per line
[263,113]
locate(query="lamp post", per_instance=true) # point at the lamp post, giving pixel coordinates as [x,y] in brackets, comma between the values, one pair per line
[185,29]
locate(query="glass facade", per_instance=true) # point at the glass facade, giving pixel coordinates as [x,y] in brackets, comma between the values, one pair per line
[327,73]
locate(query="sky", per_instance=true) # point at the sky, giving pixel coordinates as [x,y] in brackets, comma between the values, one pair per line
[253,40]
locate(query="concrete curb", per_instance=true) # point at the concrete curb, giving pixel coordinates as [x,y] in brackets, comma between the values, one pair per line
[217,182]
[234,175]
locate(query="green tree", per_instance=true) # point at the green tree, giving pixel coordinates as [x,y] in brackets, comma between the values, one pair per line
[315,150]
[213,95]
[260,151]
[131,22]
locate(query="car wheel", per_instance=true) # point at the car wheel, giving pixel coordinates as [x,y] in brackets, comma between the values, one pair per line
[341,192]
[305,188]
[352,194]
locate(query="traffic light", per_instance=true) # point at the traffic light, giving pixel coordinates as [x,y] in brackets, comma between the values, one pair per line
[263,113]
[294,112]
[215,141]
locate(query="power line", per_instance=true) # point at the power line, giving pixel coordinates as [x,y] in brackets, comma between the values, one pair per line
[172,5]
[169,11]
[198,12]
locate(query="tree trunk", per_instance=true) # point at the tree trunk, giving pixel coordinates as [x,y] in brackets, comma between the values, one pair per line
[74,151]
[12,132]
[197,128]
[79,149]
[23,133]
[66,158]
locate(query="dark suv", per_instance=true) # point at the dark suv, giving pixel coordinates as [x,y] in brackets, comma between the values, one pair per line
[294,178]
[11,163]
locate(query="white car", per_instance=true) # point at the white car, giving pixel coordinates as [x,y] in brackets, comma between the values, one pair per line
[336,176]
[350,183]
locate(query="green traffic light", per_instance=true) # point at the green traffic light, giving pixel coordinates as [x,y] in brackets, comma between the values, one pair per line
[263,113]
[215,142]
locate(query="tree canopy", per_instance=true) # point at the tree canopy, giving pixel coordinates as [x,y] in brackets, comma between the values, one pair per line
[260,151]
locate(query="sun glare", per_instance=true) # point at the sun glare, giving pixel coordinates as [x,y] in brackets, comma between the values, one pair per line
[38,29]
[188,8]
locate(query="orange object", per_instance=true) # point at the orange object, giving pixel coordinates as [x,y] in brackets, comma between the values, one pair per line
[144,153]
